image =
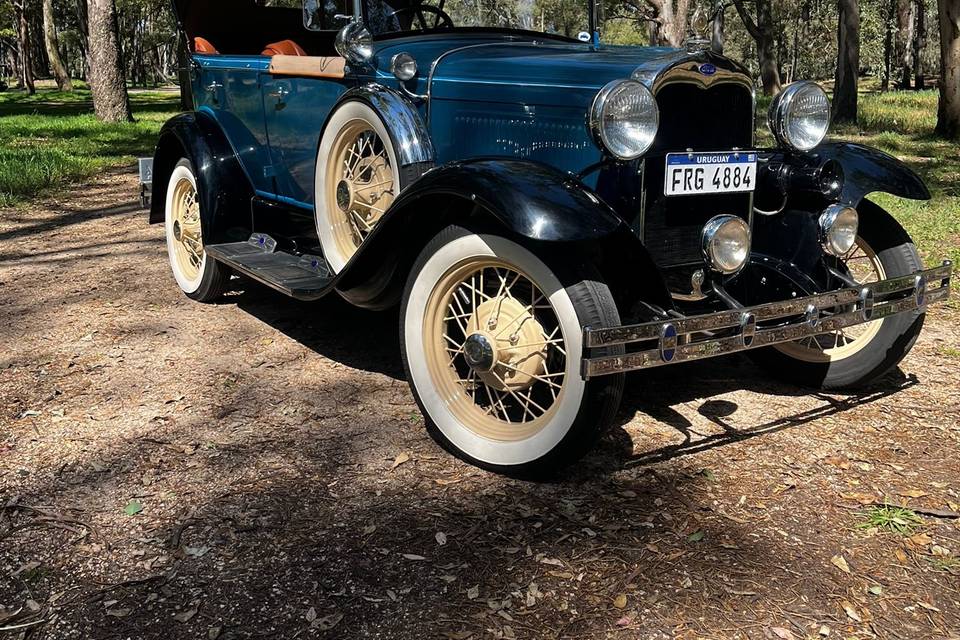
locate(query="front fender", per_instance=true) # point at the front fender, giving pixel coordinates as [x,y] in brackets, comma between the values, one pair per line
[222,184]
[868,170]
[527,200]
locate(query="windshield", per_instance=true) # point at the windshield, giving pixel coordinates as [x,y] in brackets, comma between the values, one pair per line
[555,17]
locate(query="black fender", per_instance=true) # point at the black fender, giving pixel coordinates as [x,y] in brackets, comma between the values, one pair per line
[224,189]
[529,201]
[867,170]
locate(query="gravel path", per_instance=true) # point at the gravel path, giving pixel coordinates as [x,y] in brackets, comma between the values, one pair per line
[258,468]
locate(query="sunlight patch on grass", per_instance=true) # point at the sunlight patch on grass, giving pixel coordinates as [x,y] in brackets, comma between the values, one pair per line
[52,138]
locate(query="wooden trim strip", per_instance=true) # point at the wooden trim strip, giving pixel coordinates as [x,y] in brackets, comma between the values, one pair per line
[308,66]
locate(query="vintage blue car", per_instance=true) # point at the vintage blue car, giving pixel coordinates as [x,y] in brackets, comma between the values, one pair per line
[549,211]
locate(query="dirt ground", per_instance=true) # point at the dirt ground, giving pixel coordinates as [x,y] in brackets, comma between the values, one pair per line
[258,469]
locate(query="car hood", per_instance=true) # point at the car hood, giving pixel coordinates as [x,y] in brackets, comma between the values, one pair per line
[568,74]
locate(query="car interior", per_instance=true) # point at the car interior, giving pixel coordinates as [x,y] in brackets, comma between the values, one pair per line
[276,27]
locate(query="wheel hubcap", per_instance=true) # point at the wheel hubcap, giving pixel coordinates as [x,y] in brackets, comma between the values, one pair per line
[479,352]
[344,198]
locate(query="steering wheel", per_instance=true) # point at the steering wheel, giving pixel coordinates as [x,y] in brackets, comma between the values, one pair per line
[441,19]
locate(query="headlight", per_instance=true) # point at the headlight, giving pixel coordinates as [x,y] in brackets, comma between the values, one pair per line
[726,243]
[403,66]
[800,116]
[624,119]
[838,229]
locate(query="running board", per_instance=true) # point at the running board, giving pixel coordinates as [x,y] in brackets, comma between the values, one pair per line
[303,277]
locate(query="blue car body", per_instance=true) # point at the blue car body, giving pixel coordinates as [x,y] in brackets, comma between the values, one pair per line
[499,110]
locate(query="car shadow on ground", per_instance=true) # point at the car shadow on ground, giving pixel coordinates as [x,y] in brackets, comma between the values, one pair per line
[370,341]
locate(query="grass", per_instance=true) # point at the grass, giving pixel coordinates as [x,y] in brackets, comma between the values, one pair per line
[53,138]
[899,520]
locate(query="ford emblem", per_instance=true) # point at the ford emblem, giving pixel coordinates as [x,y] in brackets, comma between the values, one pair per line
[708,69]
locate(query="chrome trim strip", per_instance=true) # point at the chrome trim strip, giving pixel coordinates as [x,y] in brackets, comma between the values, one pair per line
[693,338]
[411,138]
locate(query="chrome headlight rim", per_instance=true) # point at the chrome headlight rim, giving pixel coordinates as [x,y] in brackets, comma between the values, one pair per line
[780,110]
[403,66]
[709,243]
[833,220]
[595,119]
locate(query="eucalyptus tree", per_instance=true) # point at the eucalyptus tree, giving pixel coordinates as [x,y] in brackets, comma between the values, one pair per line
[53,48]
[846,79]
[948,114]
[107,83]
[764,32]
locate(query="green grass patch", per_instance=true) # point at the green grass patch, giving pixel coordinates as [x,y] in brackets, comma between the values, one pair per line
[899,520]
[53,138]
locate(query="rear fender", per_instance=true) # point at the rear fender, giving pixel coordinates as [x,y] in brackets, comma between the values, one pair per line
[531,202]
[224,188]
[867,170]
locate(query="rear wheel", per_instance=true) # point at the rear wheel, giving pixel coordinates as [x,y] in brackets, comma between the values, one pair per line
[492,339]
[855,356]
[199,277]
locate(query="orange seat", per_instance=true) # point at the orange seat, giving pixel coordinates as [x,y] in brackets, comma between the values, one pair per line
[202,45]
[284,48]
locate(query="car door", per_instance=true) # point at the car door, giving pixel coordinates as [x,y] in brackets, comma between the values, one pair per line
[295,109]
[228,88]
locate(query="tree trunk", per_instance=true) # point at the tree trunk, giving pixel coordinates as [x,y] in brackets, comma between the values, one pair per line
[769,74]
[948,115]
[717,27]
[23,43]
[848,62]
[673,22]
[53,48]
[110,100]
[905,25]
[888,46]
[919,44]
[763,33]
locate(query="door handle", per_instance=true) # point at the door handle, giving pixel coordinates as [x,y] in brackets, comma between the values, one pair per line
[279,93]
[213,86]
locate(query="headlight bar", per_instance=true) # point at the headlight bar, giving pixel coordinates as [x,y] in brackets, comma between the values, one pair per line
[705,336]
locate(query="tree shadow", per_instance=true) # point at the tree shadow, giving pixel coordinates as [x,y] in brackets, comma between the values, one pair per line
[271,519]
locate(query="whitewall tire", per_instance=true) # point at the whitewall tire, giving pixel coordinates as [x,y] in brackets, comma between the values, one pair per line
[492,339]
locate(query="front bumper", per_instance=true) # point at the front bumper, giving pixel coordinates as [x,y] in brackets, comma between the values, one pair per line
[704,336]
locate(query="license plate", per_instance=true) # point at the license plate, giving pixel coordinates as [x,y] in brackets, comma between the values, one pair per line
[690,174]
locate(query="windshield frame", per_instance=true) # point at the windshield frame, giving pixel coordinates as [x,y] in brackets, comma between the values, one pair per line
[360,12]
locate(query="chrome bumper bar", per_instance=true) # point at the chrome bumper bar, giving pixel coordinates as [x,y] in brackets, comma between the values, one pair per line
[695,337]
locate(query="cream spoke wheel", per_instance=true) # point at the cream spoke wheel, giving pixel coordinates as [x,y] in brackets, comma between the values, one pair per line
[360,185]
[187,243]
[863,265]
[495,348]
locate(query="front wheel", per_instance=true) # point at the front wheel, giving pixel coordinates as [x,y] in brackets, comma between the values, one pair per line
[492,338]
[854,356]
